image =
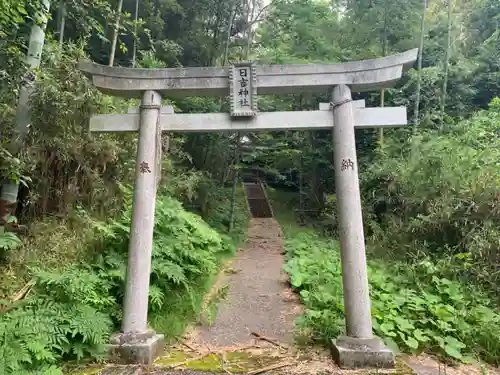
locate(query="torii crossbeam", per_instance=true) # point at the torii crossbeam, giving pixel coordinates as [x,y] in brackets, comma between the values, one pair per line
[221,122]
[242,82]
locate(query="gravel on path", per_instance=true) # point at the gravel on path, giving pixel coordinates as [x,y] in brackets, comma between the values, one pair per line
[258,298]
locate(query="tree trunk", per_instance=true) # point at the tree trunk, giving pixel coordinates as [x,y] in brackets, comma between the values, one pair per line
[10,189]
[446,62]
[301,187]
[238,136]
[62,10]
[381,130]
[250,21]
[384,52]
[419,69]
[136,16]
[115,34]
[228,37]
[316,186]
[235,181]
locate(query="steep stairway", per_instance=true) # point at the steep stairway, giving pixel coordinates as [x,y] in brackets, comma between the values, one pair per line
[257,200]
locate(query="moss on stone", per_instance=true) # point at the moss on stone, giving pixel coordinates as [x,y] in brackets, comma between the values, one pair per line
[173,357]
[234,362]
[401,368]
[86,371]
[242,362]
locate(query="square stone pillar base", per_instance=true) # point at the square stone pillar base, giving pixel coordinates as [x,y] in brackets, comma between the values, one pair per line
[352,353]
[137,348]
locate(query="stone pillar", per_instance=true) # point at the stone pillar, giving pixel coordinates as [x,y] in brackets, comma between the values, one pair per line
[136,343]
[359,348]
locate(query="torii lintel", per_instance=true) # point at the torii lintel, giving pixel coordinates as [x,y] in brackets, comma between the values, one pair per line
[363,75]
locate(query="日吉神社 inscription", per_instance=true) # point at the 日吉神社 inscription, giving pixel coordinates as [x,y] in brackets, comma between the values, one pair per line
[242,82]
[242,89]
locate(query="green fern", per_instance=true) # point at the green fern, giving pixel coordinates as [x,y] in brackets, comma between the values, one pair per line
[156,297]
[8,242]
[72,312]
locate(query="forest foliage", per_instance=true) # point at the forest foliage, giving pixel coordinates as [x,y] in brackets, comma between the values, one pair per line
[430,192]
[414,308]
[75,309]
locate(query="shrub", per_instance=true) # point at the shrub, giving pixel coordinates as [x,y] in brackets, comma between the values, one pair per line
[413,308]
[443,198]
[185,251]
[66,318]
[73,310]
[416,308]
[8,242]
[314,269]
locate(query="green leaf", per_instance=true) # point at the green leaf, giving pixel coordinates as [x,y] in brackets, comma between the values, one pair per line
[387,328]
[412,343]
[404,324]
[9,241]
[449,340]
[420,336]
[453,352]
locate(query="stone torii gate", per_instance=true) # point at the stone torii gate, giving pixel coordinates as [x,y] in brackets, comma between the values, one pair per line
[242,81]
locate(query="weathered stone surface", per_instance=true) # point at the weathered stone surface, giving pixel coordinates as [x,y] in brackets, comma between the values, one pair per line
[346,77]
[352,241]
[219,122]
[352,353]
[357,104]
[137,349]
[135,302]
[271,79]
[131,337]
[137,344]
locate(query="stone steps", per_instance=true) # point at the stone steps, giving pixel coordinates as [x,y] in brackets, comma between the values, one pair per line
[257,200]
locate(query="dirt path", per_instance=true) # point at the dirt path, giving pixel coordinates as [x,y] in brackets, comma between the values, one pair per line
[258,298]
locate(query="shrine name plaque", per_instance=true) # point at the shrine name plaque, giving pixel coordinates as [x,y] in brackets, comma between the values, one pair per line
[243,89]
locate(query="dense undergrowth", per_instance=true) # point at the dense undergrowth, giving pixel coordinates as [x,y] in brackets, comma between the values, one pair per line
[414,309]
[433,246]
[442,200]
[73,308]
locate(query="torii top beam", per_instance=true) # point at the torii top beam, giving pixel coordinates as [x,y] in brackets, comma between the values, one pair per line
[361,75]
